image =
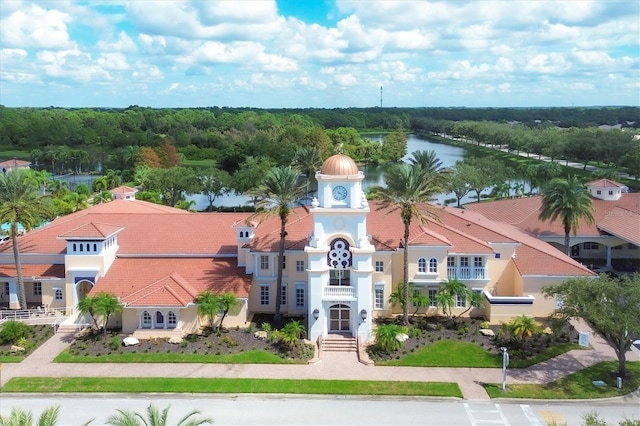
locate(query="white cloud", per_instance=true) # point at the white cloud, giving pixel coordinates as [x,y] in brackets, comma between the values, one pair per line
[113,61]
[124,44]
[36,27]
[552,63]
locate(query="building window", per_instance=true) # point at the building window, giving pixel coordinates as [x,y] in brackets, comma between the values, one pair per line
[74,247]
[339,255]
[433,265]
[478,262]
[422,265]
[599,192]
[284,262]
[300,296]
[339,277]
[146,319]
[264,262]
[497,256]
[432,297]
[451,262]
[57,293]
[379,296]
[172,320]
[610,192]
[461,300]
[6,289]
[37,289]
[464,261]
[379,266]
[299,265]
[591,246]
[283,294]
[264,294]
[95,247]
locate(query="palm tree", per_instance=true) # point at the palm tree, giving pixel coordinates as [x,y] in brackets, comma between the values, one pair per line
[408,186]
[291,333]
[228,303]
[89,305]
[21,204]
[102,197]
[155,418]
[524,327]
[448,294]
[307,159]
[19,417]
[208,306]
[566,199]
[278,193]
[107,304]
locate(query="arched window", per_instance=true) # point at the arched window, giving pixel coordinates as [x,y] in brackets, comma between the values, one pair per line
[172,319]
[422,265]
[146,320]
[433,265]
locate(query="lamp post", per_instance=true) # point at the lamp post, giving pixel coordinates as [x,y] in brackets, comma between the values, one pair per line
[505,364]
[363,315]
[316,314]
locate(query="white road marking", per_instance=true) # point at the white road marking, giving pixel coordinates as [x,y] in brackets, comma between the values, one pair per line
[531,416]
[484,410]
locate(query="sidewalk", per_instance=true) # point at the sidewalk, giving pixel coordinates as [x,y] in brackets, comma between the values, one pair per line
[333,365]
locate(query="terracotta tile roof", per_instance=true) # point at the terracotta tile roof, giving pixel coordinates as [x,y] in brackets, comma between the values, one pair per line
[606,183]
[523,213]
[91,230]
[33,270]
[17,163]
[622,223]
[172,281]
[148,228]
[123,189]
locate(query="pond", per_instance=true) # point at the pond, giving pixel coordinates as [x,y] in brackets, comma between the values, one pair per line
[374,175]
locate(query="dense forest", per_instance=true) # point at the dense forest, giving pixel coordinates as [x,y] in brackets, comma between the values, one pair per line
[236,146]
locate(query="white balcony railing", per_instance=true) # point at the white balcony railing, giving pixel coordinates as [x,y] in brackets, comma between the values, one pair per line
[336,292]
[468,273]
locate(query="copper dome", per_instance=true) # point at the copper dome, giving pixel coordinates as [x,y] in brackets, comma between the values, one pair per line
[339,165]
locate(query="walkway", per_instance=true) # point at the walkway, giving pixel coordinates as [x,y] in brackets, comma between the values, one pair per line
[333,366]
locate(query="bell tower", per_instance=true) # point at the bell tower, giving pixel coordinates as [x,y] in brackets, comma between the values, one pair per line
[340,253]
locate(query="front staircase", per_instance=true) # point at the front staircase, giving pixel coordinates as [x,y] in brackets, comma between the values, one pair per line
[339,343]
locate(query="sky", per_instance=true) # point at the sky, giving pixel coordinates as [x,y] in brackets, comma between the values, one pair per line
[319,53]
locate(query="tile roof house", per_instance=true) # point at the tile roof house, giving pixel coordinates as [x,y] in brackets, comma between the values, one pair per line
[612,241]
[343,258]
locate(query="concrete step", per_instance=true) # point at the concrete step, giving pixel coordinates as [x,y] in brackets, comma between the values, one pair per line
[339,344]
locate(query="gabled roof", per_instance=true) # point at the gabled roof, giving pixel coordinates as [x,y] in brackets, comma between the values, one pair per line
[172,281]
[605,183]
[123,189]
[616,215]
[38,271]
[91,230]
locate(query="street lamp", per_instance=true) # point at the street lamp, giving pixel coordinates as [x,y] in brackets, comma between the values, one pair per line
[505,363]
[363,315]
[316,314]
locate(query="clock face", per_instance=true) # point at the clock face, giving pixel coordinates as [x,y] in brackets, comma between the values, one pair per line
[339,193]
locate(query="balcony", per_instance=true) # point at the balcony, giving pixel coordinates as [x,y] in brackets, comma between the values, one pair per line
[338,293]
[468,273]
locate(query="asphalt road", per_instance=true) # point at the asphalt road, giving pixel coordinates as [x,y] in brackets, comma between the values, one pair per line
[324,410]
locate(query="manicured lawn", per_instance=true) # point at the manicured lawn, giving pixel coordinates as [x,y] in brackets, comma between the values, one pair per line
[248,357]
[575,386]
[448,353]
[199,385]
[454,353]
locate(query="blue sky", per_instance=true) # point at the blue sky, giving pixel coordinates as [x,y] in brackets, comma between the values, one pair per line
[319,53]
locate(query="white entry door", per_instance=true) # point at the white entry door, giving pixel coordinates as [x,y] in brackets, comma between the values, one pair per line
[339,318]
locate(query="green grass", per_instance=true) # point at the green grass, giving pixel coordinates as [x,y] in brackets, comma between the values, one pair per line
[575,386]
[10,154]
[448,353]
[221,385]
[247,357]
[452,353]
[11,358]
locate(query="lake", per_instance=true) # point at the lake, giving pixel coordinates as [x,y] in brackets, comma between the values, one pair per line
[374,175]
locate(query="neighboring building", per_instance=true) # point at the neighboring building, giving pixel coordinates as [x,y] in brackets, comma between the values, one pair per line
[343,258]
[612,241]
[124,193]
[13,164]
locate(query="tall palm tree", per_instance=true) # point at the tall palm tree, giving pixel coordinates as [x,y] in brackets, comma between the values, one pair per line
[21,203]
[308,160]
[279,192]
[566,199]
[155,418]
[408,187]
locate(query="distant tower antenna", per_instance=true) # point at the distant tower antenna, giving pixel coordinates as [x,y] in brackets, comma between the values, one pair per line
[380,96]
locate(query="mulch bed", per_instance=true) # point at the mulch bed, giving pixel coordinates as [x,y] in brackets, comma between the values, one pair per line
[428,330]
[39,335]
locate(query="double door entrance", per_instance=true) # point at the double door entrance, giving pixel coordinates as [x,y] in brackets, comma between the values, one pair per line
[339,319]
